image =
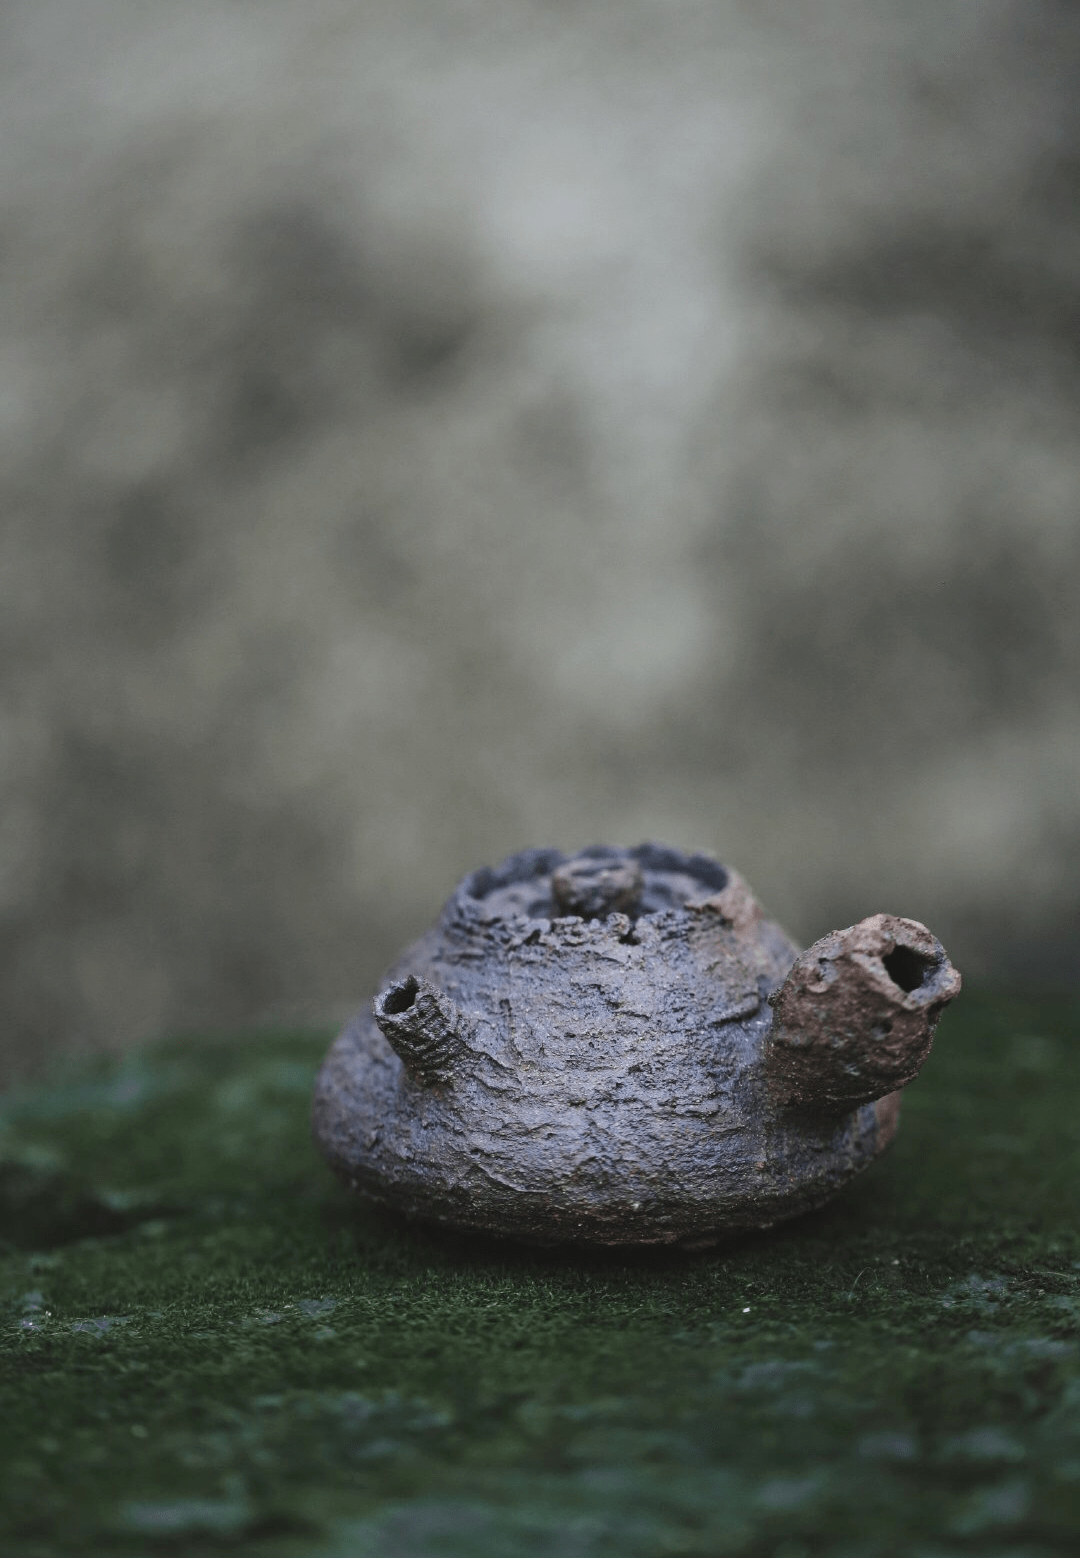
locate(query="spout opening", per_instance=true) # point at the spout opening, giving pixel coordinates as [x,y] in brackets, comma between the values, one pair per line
[908,969]
[399,998]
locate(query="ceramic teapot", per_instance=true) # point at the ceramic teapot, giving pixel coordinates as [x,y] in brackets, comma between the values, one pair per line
[619,1047]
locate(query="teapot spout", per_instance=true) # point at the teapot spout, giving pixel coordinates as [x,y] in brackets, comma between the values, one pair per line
[424,1027]
[855,1018]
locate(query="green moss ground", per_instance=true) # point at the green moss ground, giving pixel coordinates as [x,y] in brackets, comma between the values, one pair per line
[207,1347]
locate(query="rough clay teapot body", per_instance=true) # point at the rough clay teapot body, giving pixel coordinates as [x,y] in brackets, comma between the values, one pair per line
[617,1047]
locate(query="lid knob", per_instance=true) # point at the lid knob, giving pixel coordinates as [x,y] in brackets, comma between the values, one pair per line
[595,887]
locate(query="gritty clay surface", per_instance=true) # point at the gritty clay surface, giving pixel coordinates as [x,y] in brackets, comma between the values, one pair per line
[618,1047]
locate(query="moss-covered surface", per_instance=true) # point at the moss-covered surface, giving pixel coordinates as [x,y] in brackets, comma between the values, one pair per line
[207,1347]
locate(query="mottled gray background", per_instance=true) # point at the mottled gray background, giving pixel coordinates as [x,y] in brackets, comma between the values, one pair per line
[430,429]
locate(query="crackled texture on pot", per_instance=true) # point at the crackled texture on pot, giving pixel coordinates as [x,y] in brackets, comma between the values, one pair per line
[582,1049]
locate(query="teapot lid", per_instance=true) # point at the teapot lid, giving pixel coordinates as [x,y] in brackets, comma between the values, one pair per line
[546,884]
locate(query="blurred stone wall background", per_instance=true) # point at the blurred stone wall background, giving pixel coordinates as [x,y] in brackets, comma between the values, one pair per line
[428,430]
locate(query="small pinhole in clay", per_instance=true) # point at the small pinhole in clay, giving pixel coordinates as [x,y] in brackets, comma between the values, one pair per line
[906,968]
[400,997]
